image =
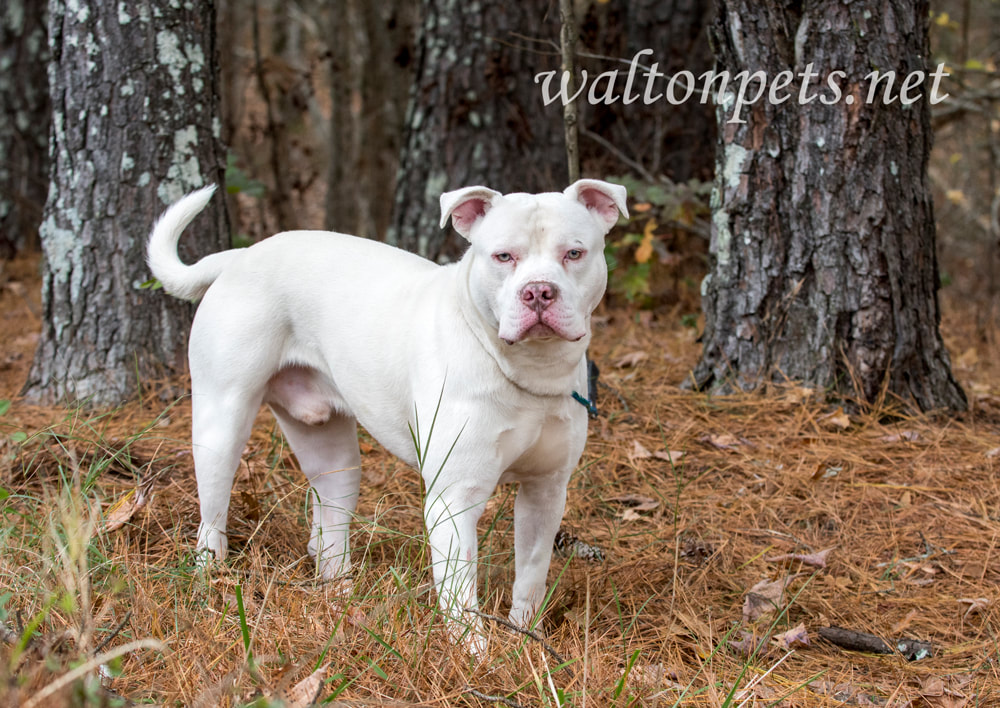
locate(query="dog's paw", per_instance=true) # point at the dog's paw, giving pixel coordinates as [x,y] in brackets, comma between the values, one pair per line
[212,544]
[468,634]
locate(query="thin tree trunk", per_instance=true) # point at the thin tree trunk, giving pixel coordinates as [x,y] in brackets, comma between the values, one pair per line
[823,245]
[476,116]
[25,117]
[135,127]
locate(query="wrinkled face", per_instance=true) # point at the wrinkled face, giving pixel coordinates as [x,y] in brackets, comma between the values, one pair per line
[539,268]
[537,260]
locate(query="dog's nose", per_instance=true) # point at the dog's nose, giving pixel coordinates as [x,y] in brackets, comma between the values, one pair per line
[539,296]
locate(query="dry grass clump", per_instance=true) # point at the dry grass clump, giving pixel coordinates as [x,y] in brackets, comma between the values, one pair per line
[711,514]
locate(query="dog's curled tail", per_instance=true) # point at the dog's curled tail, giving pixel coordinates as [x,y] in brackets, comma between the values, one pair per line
[184,281]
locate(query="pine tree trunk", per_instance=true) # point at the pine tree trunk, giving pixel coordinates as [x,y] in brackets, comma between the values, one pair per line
[476,115]
[24,124]
[823,244]
[135,126]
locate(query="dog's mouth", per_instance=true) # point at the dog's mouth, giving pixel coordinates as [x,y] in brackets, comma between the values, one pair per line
[540,330]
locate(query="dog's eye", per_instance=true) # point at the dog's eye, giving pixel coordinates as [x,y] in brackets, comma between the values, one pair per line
[574,254]
[503,257]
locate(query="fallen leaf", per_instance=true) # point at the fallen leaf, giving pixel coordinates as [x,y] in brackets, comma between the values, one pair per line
[796,636]
[305,692]
[638,452]
[641,207]
[968,359]
[671,456]
[837,419]
[630,360]
[122,511]
[932,686]
[957,197]
[797,394]
[631,515]
[826,471]
[636,502]
[747,644]
[765,597]
[976,605]
[904,436]
[723,441]
[817,560]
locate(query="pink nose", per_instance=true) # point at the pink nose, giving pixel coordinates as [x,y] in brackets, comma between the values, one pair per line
[539,296]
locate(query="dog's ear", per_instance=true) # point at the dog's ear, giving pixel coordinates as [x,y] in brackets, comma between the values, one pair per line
[466,206]
[606,200]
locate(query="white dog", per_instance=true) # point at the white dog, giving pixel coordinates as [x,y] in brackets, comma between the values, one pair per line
[466,371]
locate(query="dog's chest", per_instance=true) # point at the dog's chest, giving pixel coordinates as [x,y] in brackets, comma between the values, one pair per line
[540,442]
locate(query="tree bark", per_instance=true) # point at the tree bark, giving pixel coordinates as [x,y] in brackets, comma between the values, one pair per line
[476,115]
[135,126]
[24,124]
[823,244]
[677,141]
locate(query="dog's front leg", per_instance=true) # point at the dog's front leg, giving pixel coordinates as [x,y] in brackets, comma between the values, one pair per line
[451,512]
[538,509]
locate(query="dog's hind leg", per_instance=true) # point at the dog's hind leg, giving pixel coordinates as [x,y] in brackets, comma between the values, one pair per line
[328,455]
[220,429]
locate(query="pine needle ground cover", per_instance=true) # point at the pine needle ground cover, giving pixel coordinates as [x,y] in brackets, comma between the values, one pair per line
[711,545]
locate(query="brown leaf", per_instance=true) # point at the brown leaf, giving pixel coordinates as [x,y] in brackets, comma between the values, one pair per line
[765,597]
[837,419]
[932,686]
[747,644]
[671,456]
[122,511]
[638,452]
[305,692]
[976,605]
[903,436]
[635,502]
[817,560]
[631,359]
[723,441]
[797,394]
[796,636]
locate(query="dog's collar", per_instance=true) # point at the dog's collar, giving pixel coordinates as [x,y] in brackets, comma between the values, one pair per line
[586,403]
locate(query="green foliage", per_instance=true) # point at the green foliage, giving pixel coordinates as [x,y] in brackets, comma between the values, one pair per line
[238,182]
[645,243]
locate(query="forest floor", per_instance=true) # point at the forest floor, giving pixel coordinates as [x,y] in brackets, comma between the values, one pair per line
[733,530]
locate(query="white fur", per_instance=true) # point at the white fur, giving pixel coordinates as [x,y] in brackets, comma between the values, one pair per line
[330,330]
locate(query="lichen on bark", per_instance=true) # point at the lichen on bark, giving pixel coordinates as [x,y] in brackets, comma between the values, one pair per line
[823,247]
[124,145]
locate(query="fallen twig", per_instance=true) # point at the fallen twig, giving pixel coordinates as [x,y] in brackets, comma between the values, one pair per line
[911,649]
[114,632]
[521,630]
[492,699]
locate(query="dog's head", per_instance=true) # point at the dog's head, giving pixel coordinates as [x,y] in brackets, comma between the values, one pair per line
[538,268]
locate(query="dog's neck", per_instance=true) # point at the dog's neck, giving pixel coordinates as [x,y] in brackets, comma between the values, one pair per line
[548,368]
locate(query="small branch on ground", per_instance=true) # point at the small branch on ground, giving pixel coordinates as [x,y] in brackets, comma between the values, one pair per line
[911,649]
[521,630]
